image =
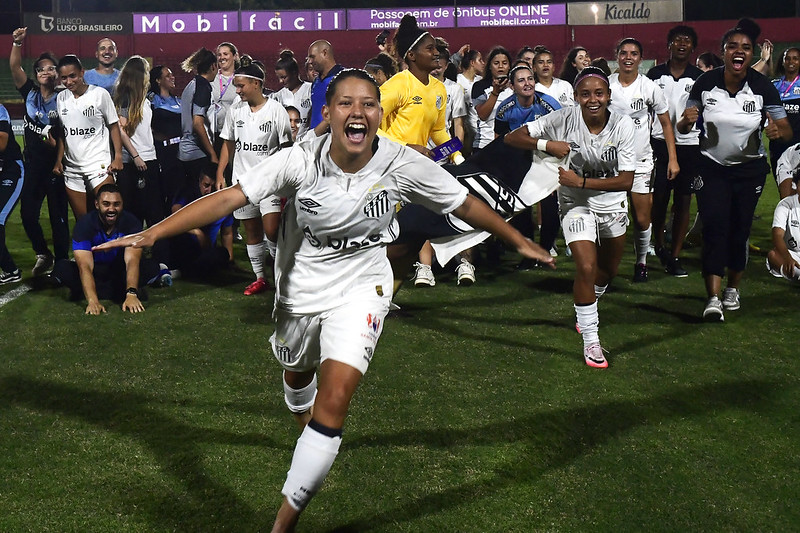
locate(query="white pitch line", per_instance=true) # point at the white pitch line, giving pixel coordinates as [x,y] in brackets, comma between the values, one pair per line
[12,295]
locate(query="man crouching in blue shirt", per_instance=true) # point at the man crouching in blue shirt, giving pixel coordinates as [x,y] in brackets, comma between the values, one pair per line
[116,275]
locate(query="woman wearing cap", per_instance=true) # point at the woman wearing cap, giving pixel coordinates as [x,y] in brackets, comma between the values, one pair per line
[593,192]
[333,277]
[732,104]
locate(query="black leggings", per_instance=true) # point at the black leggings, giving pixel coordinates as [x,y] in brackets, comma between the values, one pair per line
[41,183]
[11,181]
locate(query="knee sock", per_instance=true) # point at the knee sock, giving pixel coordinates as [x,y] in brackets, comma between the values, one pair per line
[641,244]
[599,290]
[589,322]
[313,457]
[256,253]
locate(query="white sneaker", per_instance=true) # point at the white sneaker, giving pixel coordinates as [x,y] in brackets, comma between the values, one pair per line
[594,357]
[44,263]
[713,311]
[424,276]
[730,299]
[466,273]
[553,252]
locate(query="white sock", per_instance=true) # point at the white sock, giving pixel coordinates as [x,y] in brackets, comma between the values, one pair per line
[641,243]
[599,290]
[272,246]
[589,322]
[256,253]
[313,457]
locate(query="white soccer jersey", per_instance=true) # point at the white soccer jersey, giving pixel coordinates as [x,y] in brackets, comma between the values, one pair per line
[788,164]
[142,138]
[676,91]
[257,135]
[484,129]
[335,225]
[456,106]
[85,123]
[471,120]
[301,100]
[731,125]
[639,100]
[593,156]
[787,217]
[560,90]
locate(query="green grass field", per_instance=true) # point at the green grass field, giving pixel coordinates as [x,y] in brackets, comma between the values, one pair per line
[477,414]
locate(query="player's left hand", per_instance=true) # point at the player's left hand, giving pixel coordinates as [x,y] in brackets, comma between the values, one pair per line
[569,178]
[115,166]
[531,250]
[772,130]
[132,304]
[673,169]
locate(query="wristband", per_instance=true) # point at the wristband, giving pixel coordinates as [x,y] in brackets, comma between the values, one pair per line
[132,290]
[15,43]
[541,145]
[584,183]
[137,155]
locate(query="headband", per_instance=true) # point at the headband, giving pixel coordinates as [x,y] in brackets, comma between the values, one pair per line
[594,72]
[417,40]
[251,77]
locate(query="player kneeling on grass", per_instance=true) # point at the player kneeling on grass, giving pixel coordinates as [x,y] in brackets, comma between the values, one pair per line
[333,279]
[783,261]
[110,274]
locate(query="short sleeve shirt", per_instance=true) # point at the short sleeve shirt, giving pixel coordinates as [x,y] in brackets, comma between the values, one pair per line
[39,113]
[195,101]
[676,92]
[300,100]
[85,122]
[787,218]
[89,232]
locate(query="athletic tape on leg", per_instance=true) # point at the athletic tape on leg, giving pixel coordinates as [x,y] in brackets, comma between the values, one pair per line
[300,400]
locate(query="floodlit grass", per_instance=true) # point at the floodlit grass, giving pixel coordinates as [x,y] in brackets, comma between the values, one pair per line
[477,414]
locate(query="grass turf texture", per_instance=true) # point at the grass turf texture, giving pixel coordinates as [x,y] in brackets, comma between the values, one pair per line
[477,414]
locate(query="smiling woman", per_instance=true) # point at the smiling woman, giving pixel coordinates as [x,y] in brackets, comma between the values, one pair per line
[333,278]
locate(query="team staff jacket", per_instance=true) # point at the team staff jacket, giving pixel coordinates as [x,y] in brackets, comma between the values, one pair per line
[335,225]
[39,113]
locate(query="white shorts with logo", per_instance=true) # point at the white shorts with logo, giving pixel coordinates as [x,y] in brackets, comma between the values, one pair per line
[347,334]
[81,182]
[270,204]
[642,182]
[582,224]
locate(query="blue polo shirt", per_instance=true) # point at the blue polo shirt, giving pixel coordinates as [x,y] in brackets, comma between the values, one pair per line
[318,89]
[511,115]
[89,232]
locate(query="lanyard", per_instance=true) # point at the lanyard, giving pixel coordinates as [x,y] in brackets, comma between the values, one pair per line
[789,88]
[223,89]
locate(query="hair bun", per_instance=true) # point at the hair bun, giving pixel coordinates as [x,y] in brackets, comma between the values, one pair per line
[286,54]
[749,27]
[245,61]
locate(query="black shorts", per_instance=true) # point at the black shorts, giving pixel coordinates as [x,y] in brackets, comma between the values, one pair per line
[688,160]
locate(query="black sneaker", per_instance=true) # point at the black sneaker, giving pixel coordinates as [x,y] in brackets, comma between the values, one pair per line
[674,268]
[640,273]
[10,277]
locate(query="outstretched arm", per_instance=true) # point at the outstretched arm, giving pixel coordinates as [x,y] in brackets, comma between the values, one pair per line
[199,213]
[479,215]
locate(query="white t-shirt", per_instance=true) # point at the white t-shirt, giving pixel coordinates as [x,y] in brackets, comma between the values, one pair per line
[335,225]
[484,129]
[301,100]
[788,164]
[471,120]
[456,106]
[257,135]
[594,156]
[639,100]
[85,122]
[561,90]
[142,138]
[787,217]
[676,92]
[223,94]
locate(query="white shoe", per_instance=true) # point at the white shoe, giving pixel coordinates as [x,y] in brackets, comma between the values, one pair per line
[730,299]
[44,263]
[424,276]
[553,252]
[713,311]
[466,273]
[594,357]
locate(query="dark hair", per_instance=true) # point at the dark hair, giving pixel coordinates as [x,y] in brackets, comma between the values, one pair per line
[568,70]
[234,51]
[540,49]
[69,59]
[287,62]
[384,62]
[45,56]
[590,71]
[469,57]
[112,188]
[291,108]
[250,67]
[207,169]
[745,26]
[155,74]
[519,64]
[781,70]
[628,40]
[711,59]
[682,30]
[602,64]
[442,46]
[202,60]
[407,36]
[494,52]
[350,73]
[524,50]
[450,72]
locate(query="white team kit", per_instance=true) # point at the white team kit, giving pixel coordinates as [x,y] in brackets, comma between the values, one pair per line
[676,91]
[332,242]
[593,156]
[87,149]
[639,100]
[788,164]
[300,100]
[456,107]
[257,135]
[560,90]
[787,218]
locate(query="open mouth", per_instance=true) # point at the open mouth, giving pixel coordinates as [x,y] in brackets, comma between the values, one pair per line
[356,132]
[738,63]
